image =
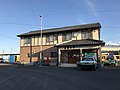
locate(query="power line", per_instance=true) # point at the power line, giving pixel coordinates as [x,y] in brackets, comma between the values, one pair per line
[111,27]
[18,24]
[8,37]
[117,10]
[23,24]
[31,8]
[18,16]
[85,12]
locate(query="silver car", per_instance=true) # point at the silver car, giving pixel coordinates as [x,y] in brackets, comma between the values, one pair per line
[88,62]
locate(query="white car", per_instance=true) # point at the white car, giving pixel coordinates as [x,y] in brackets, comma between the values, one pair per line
[88,62]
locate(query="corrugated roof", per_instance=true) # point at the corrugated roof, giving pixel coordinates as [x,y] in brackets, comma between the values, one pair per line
[84,42]
[68,28]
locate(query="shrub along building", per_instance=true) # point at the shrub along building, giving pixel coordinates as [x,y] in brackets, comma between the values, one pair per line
[62,45]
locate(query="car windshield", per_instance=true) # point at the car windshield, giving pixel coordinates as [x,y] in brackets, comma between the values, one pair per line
[87,59]
[109,58]
[1,58]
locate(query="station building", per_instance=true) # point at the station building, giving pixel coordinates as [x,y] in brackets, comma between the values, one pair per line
[62,45]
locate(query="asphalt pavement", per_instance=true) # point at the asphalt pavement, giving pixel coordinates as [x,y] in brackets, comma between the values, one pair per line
[16,77]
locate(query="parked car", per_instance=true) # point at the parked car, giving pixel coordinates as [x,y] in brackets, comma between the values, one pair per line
[110,61]
[1,60]
[87,62]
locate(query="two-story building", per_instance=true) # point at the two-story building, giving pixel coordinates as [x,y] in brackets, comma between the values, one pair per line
[62,45]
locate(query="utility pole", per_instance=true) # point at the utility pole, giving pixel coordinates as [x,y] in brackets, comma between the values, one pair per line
[41,40]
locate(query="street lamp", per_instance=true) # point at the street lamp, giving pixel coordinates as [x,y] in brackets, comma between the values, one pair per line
[41,39]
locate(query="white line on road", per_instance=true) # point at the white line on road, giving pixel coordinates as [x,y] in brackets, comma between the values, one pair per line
[4,80]
[4,64]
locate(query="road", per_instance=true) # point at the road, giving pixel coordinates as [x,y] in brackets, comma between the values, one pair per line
[15,77]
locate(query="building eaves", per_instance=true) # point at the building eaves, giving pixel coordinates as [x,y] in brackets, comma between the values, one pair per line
[62,29]
[84,42]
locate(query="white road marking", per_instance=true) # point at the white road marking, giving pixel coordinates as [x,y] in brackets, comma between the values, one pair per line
[4,80]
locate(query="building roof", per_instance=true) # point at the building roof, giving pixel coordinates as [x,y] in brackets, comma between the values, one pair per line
[84,42]
[112,46]
[108,48]
[9,53]
[62,29]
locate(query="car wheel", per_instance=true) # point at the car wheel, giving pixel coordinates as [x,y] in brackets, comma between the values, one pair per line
[82,69]
[94,68]
[78,65]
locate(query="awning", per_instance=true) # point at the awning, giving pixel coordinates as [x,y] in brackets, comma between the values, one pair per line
[84,42]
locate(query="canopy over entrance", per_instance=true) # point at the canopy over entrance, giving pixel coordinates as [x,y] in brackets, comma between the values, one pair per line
[73,51]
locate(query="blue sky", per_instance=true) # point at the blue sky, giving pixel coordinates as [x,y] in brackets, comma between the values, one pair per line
[19,16]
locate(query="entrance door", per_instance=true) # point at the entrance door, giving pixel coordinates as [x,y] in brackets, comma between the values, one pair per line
[73,56]
[15,58]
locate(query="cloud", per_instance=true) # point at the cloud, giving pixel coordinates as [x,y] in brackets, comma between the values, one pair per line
[81,21]
[92,7]
[112,43]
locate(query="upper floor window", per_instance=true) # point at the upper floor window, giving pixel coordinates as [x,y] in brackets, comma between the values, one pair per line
[86,34]
[27,40]
[51,38]
[66,36]
[74,34]
[55,37]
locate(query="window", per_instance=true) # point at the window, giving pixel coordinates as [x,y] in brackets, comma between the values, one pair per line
[53,54]
[117,57]
[47,38]
[86,34]
[22,41]
[103,57]
[51,38]
[74,34]
[55,37]
[66,36]
[27,40]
